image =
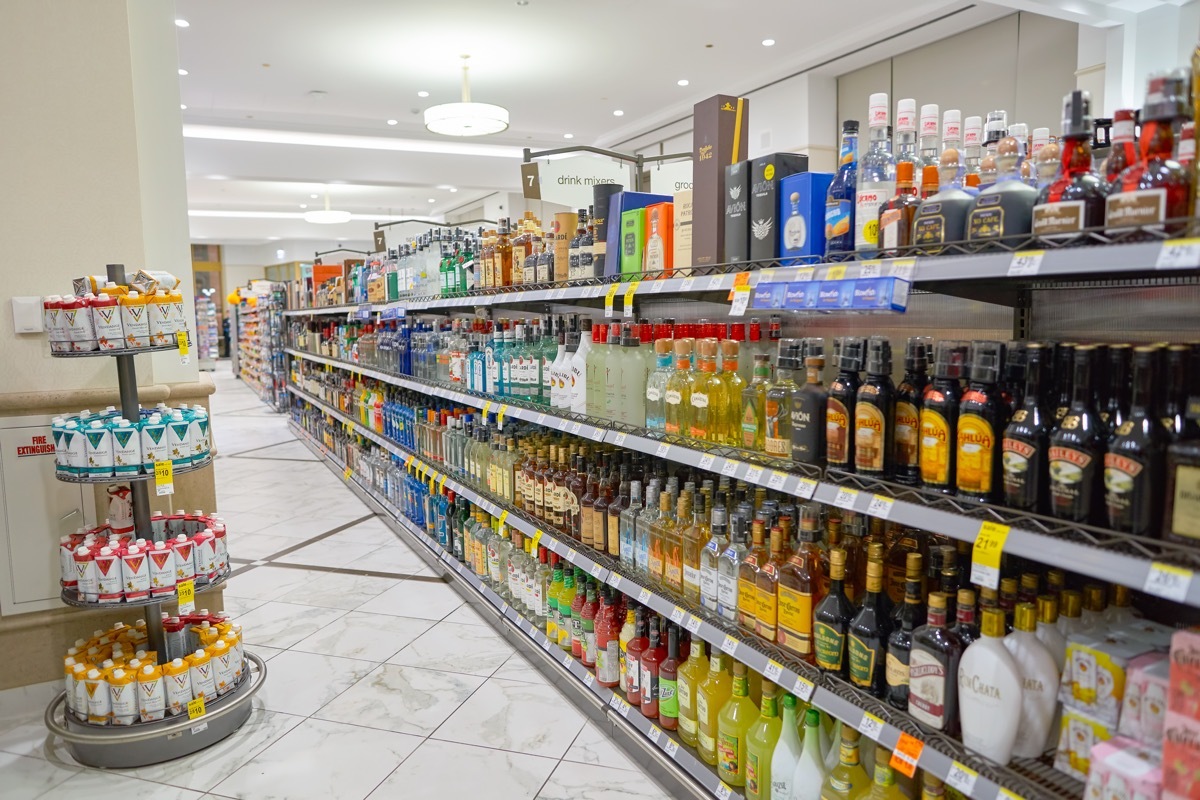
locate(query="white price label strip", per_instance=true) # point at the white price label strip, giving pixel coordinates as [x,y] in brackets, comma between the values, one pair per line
[845,498]
[1179,254]
[962,778]
[1025,263]
[693,624]
[729,467]
[870,726]
[777,480]
[729,645]
[1167,581]
[806,488]
[753,474]
[880,506]
[676,615]
[706,461]
[804,689]
[773,671]
[672,747]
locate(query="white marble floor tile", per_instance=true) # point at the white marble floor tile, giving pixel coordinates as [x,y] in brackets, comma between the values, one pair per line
[338,590]
[371,637]
[253,546]
[402,699]
[301,683]
[518,668]
[393,558]
[421,599]
[24,777]
[465,615]
[438,770]
[268,582]
[239,522]
[452,647]
[326,554]
[585,782]
[237,606]
[373,531]
[21,728]
[516,716]
[320,760]
[284,624]
[264,652]
[307,526]
[594,746]
[292,450]
[100,785]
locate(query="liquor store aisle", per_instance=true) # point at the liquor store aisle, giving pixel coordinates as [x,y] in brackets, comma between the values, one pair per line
[383,683]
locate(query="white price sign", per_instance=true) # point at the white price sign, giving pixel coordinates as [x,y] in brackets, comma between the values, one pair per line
[1167,581]
[672,747]
[541,418]
[723,791]
[741,299]
[1025,263]
[655,733]
[729,467]
[662,450]
[729,645]
[1179,254]
[619,439]
[715,282]
[880,506]
[870,726]
[806,488]
[676,615]
[589,679]
[597,434]
[643,596]
[773,671]
[656,286]
[804,689]
[693,624]
[706,461]
[575,427]
[687,285]
[753,474]
[777,480]
[962,778]
[614,580]
[870,268]
[845,498]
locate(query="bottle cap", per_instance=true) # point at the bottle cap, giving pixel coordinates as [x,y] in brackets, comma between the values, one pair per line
[1019,131]
[789,700]
[950,359]
[973,131]
[850,126]
[1167,95]
[707,348]
[1025,617]
[1047,609]
[904,173]
[929,173]
[912,567]
[812,718]
[952,125]
[730,348]
[1008,586]
[789,354]
[937,601]
[663,346]
[850,353]
[879,356]
[996,127]
[987,361]
[877,110]
[1072,603]
[1094,598]
[966,598]
[929,119]
[906,115]
[916,352]
[1121,596]
[993,623]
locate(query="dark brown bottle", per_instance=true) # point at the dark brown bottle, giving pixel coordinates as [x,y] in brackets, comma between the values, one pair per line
[933,670]
[1133,465]
[1181,520]
[966,626]
[1027,440]
[907,417]
[982,417]
[867,638]
[839,411]
[576,488]
[1115,408]
[1175,396]
[831,619]
[1063,370]
[586,505]
[939,417]
[1077,449]
[874,413]
[909,617]
[808,409]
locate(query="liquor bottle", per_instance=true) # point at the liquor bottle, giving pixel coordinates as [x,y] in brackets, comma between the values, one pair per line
[656,384]
[896,215]
[1039,676]
[710,559]
[658,544]
[577,603]
[942,217]
[648,662]
[586,245]
[695,538]
[798,590]
[672,536]
[876,177]
[1003,211]
[587,616]
[874,413]
[1114,410]
[633,658]
[848,779]
[751,563]
[831,619]
[939,417]
[990,693]
[932,787]
[982,417]
[1047,629]
[868,635]
[907,416]
[616,505]
[730,427]
[929,187]
[905,133]
[966,625]
[1077,449]
[502,270]
[728,572]
[596,364]
[839,200]
[754,405]
[687,687]
[643,527]
[1133,465]
[608,647]
[1157,187]
[929,136]
[628,525]
[733,728]
[709,404]
[575,391]
[1124,150]
[848,354]
[766,617]
[933,670]
[761,741]
[1075,199]
[668,682]
[544,267]
[808,409]
[910,616]
[787,752]
[677,395]
[711,697]
[777,413]
[1026,440]
[573,247]
[995,130]
[627,634]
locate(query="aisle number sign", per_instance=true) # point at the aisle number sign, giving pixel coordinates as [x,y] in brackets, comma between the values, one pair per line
[164,478]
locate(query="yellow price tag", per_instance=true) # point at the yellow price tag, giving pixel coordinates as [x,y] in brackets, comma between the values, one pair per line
[195,708]
[608,299]
[181,339]
[537,537]
[629,293]
[743,279]
[503,516]
[408,462]
[164,478]
[500,416]
[486,408]
[185,591]
[442,485]
[346,475]
[985,555]
[836,272]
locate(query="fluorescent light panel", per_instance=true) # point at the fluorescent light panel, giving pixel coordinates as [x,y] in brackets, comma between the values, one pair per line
[265,136]
[230,214]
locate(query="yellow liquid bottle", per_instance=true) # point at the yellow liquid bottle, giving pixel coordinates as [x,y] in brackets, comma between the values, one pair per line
[760,745]
[754,404]
[658,543]
[695,536]
[711,697]
[690,676]
[884,787]
[733,729]
[677,396]
[848,779]
[730,428]
[709,403]
[767,581]
[748,578]
[673,544]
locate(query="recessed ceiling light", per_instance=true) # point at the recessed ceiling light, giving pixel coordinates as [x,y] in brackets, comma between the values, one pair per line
[313,196]
[422,94]
[683,82]
[183,71]
[522,2]
[768,42]
[304,205]
[393,121]
[453,190]
[618,113]
[568,136]
[182,23]
[182,107]
[432,200]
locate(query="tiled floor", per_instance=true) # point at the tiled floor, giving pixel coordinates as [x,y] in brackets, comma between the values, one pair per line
[383,686]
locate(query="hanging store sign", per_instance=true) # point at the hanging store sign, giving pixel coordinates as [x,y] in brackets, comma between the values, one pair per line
[569,181]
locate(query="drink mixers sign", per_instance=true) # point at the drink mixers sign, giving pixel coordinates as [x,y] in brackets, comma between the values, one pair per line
[569,180]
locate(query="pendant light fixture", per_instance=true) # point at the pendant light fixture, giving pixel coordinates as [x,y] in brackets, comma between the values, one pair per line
[327,215]
[466,118]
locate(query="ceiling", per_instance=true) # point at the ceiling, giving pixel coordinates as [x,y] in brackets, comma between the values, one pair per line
[289,98]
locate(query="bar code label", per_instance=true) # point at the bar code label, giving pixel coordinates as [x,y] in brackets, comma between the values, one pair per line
[870,268]
[614,580]
[597,434]
[575,427]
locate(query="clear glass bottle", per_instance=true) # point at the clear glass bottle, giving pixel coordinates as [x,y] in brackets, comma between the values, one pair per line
[656,384]
[710,558]
[628,525]
[677,396]
[728,570]
[777,408]
[876,177]
[754,404]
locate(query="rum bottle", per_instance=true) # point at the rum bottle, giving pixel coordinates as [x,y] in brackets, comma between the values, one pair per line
[939,417]
[982,417]
[1133,465]
[933,670]
[867,638]
[839,411]
[808,410]
[1075,199]
[831,620]
[1077,449]
[874,413]
[897,214]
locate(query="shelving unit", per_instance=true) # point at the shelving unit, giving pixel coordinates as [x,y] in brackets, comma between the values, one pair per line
[207,333]
[261,360]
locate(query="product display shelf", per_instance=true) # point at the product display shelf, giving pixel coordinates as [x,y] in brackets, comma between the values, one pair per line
[71,597]
[171,737]
[132,478]
[122,351]
[1151,565]
[944,757]
[667,747]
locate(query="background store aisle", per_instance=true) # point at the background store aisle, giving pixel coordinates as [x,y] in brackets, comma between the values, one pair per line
[375,662]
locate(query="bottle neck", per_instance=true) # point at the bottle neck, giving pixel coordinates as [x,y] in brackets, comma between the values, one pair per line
[1081,391]
[1143,388]
[1076,156]
[1158,140]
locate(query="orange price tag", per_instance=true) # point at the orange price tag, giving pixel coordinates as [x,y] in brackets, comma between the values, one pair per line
[742,279]
[907,754]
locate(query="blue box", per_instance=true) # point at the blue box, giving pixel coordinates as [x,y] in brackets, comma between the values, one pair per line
[835,295]
[801,296]
[768,296]
[802,221]
[880,294]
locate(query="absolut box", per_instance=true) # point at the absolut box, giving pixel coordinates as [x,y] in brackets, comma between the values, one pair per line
[720,128]
[802,215]
[766,173]
[682,223]
[737,212]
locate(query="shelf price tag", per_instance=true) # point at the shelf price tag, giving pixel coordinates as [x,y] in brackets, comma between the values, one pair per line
[804,688]
[643,596]
[1167,581]
[676,615]
[1025,263]
[572,554]
[985,556]
[836,272]
[629,293]
[907,754]
[195,708]
[845,498]
[962,778]
[503,517]
[619,439]
[537,537]
[723,790]
[880,506]
[804,275]
[589,679]
[1005,794]
[346,475]
[753,474]
[902,268]
[729,467]
[164,478]
[870,726]
[656,286]
[608,299]
[687,284]
[806,488]
[672,747]
[500,415]
[1179,254]
[655,733]
[777,480]
[706,461]
[693,624]
[541,418]
[773,671]
[597,434]
[614,580]
[729,645]
[185,591]
[575,427]
[870,268]
[743,279]
[181,339]
[662,450]
[486,408]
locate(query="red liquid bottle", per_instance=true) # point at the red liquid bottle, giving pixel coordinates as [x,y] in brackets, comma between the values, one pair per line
[633,658]
[651,659]
[608,649]
[588,614]
[1124,144]
[580,598]
[1075,199]
[668,682]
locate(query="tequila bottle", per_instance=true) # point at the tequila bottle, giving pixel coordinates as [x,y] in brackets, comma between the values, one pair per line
[754,404]
[876,177]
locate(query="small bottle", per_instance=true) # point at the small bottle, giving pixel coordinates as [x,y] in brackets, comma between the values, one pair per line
[989,695]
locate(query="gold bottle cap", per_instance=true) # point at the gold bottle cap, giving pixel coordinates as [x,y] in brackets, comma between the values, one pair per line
[966,597]
[1072,603]
[769,689]
[850,735]
[663,347]
[1056,579]
[1025,618]
[776,539]
[729,348]
[758,527]
[837,556]
[739,669]
[875,551]
[1122,597]
[987,596]
[912,567]
[1047,609]
[993,622]
[683,347]
[1093,597]
[874,576]
[664,502]
[937,601]
[882,754]
[1008,586]
[1029,580]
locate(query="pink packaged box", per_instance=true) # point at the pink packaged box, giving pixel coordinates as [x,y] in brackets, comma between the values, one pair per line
[1181,758]
[1184,694]
[1123,768]
[1144,708]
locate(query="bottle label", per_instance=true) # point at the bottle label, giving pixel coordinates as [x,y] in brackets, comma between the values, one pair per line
[837,218]
[889,228]
[870,436]
[1071,479]
[753,774]
[831,646]
[729,749]
[668,698]
[896,670]
[747,599]
[1125,484]
[935,448]
[649,685]
[707,743]
[727,594]
[687,709]
[1185,509]
[976,451]
[930,225]
[708,586]
[866,217]
[927,688]
[673,397]
[633,674]
[1052,220]
[986,220]
[777,419]
[691,577]
[673,575]
[795,621]
[699,400]
[653,394]
[1020,479]
[1141,207]
[862,661]
[908,426]
[837,432]
[765,613]
[750,426]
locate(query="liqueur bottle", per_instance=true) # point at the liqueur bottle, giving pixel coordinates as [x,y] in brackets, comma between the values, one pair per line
[867,638]
[907,417]
[736,717]
[1133,465]
[711,697]
[897,214]
[843,393]
[831,620]
[687,687]
[966,626]
[1124,150]
[808,410]
[677,396]
[1115,408]
[761,741]
[939,417]
[942,218]
[910,616]
[982,417]
[1075,199]
[668,682]
[777,415]
[754,404]
[1003,211]
[799,589]
[1077,449]
[933,670]
[874,413]
[766,618]
[839,200]
[1181,517]
[709,411]
[848,778]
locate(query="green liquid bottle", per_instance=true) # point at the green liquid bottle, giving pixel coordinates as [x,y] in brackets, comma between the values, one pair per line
[760,745]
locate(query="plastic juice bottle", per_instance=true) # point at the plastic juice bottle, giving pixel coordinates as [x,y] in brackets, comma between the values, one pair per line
[786,754]
[134,320]
[761,741]
[736,717]
[711,696]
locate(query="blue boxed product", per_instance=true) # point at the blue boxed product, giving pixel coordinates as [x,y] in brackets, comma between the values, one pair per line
[835,295]
[801,296]
[802,214]
[768,295]
[880,294]
[619,203]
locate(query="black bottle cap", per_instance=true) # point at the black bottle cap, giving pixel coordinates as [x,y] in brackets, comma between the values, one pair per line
[916,353]
[1077,114]
[851,354]
[814,347]
[987,361]
[850,126]
[950,361]
[879,356]
[586,326]
[789,354]
[1014,363]
[1168,95]
[628,337]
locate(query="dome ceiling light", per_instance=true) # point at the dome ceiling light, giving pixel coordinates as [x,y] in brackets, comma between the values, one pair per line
[466,118]
[327,215]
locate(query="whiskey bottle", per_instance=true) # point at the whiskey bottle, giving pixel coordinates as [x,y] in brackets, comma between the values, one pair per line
[843,394]
[752,562]
[808,410]
[656,253]
[874,413]
[982,416]
[1077,449]
[1133,465]
[799,589]
[910,616]
[867,637]
[907,417]
[897,213]
[933,670]
[1075,199]
[1026,440]
[831,620]
[939,417]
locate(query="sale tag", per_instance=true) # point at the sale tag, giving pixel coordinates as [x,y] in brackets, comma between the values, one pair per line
[195,708]
[776,480]
[806,488]
[693,624]
[753,474]
[729,467]
[164,478]
[1167,581]
[880,506]
[804,688]
[729,644]
[614,580]
[662,450]
[655,733]
[845,498]
[575,427]
[346,475]
[836,272]
[185,591]
[1025,263]
[486,408]
[181,339]
[907,754]
[500,416]
[537,537]
[985,556]
[1179,254]
[962,778]
[742,279]
[676,615]
[773,671]
[608,299]
[706,461]
[629,293]
[870,726]
[540,419]
[503,517]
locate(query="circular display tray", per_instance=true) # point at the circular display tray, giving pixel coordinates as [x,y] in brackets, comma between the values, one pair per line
[71,596]
[141,476]
[124,351]
[127,746]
